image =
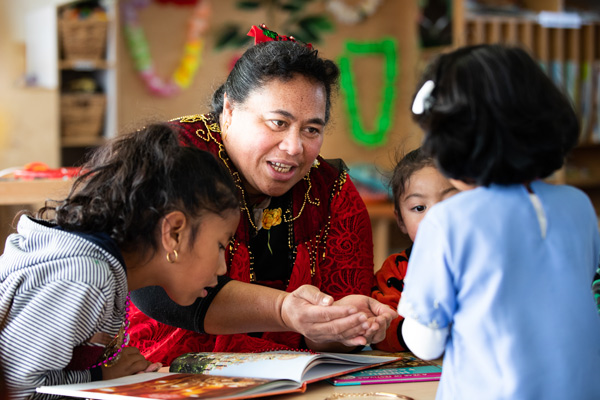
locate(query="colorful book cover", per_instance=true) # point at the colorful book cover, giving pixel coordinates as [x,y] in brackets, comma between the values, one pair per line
[170,386]
[557,73]
[572,79]
[225,376]
[586,101]
[596,103]
[406,369]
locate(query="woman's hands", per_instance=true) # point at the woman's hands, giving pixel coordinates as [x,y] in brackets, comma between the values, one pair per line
[354,320]
[129,362]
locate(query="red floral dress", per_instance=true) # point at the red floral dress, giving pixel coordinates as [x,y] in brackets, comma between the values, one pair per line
[332,249]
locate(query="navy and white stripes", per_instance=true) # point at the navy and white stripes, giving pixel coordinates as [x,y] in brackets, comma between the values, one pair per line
[57,290]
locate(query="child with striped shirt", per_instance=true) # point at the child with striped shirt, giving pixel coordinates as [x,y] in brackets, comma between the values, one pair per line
[145,211]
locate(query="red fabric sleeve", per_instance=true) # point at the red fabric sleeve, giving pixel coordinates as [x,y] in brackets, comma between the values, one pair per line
[348,266]
[390,280]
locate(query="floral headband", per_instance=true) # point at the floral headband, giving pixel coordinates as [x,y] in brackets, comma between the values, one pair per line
[263,34]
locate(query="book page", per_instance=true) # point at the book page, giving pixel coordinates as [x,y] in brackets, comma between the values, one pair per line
[333,364]
[173,387]
[269,365]
[297,366]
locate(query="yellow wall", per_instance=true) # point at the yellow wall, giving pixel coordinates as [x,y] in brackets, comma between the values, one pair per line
[28,117]
[165,28]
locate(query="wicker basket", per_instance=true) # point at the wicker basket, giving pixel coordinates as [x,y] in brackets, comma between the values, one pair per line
[82,114]
[83,39]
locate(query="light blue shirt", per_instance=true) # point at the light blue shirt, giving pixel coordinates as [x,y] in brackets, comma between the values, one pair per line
[516,296]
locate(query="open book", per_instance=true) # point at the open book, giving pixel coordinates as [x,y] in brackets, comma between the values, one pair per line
[406,369]
[225,376]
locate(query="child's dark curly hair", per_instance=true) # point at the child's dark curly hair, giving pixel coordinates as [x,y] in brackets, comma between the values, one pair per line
[494,116]
[133,181]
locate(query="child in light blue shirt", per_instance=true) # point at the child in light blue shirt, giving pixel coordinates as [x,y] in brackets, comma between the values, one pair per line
[499,279]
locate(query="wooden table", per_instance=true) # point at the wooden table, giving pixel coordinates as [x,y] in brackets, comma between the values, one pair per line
[16,195]
[16,192]
[322,390]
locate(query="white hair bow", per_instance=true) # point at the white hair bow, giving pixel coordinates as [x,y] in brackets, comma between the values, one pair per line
[423,98]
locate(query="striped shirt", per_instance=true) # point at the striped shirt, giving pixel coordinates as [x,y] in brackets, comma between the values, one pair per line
[57,289]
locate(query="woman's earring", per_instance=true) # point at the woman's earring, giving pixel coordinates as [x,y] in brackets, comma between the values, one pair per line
[224,131]
[175,257]
[316,162]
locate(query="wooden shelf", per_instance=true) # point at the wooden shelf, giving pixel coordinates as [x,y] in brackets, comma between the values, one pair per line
[16,192]
[83,65]
[564,53]
[82,141]
[584,183]
[92,72]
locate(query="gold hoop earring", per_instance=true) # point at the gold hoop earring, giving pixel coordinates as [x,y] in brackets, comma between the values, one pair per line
[169,257]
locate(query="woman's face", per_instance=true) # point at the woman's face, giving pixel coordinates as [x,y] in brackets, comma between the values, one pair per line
[276,134]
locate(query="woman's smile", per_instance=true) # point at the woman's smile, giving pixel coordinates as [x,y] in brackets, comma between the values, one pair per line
[280,167]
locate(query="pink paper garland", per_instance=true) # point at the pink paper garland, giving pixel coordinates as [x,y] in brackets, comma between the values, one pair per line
[139,49]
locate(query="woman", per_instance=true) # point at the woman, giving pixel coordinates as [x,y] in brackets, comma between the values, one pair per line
[303,222]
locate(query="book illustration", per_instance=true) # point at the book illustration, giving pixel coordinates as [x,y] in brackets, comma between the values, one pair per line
[406,369]
[165,385]
[185,386]
[203,363]
[224,376]
[294,365]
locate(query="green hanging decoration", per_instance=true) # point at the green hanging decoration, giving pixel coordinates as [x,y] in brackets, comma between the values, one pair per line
[386,47]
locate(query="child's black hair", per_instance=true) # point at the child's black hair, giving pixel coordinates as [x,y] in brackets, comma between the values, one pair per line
[412,162]
[134,180]
[276,60]
[494,116]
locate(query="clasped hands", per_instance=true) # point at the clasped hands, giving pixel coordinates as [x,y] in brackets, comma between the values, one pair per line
[354,320]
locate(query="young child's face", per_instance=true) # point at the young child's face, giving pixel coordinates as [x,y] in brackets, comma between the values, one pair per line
[201,261]
[425,188]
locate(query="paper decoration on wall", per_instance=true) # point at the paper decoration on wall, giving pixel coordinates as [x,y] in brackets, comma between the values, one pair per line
[293,19]
[387,49]
[352,13]
[139,48]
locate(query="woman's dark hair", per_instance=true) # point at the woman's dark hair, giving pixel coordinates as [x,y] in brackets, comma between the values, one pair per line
[404,169]
[276,60]
[494,116]
[134,180]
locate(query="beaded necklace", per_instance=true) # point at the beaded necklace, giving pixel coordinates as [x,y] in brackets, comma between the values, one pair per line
[110,356]
[212,133]
[213,126]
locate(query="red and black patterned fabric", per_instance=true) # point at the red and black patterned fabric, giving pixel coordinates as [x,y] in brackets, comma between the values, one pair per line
[332,249]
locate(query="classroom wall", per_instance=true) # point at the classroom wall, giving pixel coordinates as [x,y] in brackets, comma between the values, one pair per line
[165,28]
[28,116]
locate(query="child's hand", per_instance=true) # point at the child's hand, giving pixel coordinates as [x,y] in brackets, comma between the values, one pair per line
[130,362]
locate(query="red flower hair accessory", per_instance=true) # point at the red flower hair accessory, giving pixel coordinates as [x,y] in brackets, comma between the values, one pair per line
[263,34]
